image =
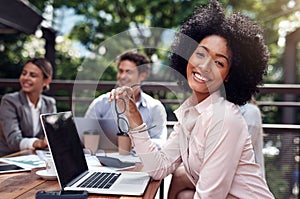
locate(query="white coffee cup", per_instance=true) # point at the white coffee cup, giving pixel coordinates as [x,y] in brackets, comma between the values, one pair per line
[50,168]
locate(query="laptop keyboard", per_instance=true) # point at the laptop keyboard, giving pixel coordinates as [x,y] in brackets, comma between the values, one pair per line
[100,180]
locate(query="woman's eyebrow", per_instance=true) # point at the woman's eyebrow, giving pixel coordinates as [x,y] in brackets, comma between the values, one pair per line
[217,54]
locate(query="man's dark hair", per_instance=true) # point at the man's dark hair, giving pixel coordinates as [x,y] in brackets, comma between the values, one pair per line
[141,60]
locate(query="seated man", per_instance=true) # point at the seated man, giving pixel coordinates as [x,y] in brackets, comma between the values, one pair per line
[252,115]
[133,69]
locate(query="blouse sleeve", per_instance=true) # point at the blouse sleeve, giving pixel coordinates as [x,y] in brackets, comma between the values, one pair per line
[158,163]
[158,129]
[10,122]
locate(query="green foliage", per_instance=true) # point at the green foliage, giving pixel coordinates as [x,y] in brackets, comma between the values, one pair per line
[104,19]
[67,63]
[10,62]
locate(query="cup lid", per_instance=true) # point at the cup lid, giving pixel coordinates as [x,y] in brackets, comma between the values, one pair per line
[91,132]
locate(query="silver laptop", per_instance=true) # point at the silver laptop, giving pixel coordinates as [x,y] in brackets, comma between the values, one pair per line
[71,166]
[107,129]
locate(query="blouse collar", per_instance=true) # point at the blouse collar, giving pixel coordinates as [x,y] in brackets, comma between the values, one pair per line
[192,105]
[31,105]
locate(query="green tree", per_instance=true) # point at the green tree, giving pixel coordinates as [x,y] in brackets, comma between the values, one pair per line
[104,19]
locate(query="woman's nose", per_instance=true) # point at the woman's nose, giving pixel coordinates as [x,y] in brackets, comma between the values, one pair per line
[206,66]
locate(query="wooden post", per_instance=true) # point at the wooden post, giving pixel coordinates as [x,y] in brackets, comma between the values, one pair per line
[289,113]
[49,35]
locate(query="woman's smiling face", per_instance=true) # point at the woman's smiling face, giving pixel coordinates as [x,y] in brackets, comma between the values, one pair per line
[208,66]
[32,79]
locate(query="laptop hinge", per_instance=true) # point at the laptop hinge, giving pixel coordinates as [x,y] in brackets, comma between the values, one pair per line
[76,179]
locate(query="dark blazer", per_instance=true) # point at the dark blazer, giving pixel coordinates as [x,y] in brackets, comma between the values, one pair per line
[16,120]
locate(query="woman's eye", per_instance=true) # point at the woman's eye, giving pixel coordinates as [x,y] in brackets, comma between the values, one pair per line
[219,63]
[201,54]
[33,75]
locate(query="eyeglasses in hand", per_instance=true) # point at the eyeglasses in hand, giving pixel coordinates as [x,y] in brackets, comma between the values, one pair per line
[123,125]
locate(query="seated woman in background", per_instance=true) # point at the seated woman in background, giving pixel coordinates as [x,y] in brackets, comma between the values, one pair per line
[20,111]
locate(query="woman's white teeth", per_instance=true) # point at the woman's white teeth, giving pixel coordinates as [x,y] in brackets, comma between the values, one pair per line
[26,84]
[200,77]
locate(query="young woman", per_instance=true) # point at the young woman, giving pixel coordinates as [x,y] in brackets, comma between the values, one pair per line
[19,111]
[182,187]
[223,59]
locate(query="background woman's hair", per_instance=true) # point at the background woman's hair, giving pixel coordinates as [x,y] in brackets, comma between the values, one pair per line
[244,38]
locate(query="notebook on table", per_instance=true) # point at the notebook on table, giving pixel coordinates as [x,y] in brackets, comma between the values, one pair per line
[71,166]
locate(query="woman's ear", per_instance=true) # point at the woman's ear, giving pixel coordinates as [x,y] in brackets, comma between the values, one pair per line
[226,79]
[46,83]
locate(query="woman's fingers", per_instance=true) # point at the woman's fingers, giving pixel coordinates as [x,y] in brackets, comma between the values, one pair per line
[124,92]
[39,144]
[111,96]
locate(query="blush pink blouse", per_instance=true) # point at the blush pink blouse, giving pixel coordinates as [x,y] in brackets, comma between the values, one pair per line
[212,141]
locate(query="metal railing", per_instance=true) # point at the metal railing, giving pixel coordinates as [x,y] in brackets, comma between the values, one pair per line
[155,87]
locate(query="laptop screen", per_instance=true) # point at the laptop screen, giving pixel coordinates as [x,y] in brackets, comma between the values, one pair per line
[65,145]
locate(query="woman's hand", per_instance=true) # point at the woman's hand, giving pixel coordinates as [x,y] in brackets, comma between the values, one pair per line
[124,99]
[40,144]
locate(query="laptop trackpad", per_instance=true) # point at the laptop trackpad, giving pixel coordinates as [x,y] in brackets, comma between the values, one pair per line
[133,181]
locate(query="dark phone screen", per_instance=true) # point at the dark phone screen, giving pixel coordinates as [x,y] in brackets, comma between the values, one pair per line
[4,168]
[72,192]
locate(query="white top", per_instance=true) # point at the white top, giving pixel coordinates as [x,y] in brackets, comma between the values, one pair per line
[27,143]
[252,115]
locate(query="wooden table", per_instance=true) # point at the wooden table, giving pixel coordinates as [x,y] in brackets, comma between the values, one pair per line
[26,184]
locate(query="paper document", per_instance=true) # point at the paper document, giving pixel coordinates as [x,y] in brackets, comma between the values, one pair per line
[25,161]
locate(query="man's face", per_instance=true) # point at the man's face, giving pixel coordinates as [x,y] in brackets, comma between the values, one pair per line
[128,74]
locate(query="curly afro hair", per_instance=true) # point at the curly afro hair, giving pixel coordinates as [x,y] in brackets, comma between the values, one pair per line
[244,38]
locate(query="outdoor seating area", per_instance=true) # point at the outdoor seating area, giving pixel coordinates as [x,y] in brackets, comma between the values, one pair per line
[66,57]
[273,133]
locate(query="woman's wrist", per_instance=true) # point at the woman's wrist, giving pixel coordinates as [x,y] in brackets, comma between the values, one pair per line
[135,121]
[134,116]
[138,129]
